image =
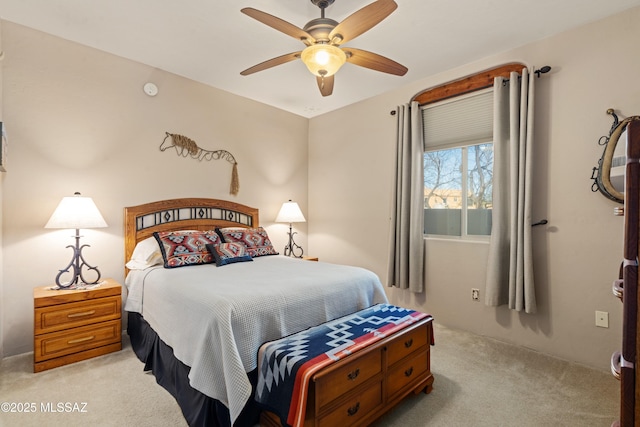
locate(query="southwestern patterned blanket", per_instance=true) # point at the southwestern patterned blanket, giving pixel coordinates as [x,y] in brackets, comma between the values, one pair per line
[286,365]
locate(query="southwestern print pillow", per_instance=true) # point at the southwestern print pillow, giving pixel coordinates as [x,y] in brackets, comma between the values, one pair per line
[184,248]
[255,240]
[228,253]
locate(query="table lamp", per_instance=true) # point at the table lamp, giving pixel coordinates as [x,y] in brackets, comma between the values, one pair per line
[290,212]
[76,212]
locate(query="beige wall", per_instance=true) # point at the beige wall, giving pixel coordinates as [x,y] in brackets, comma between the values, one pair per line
[79,121]
[351,159]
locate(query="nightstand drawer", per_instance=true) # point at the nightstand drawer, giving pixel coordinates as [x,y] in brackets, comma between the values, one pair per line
[62,343]
[65,316]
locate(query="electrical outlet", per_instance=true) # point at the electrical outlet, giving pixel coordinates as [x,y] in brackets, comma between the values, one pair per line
[602,319]
[475,294]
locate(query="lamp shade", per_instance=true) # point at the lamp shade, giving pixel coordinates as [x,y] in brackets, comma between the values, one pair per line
[290,212]
[323,60]
[76,212]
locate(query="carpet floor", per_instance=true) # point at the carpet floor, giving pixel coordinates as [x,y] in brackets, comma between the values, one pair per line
[478,382]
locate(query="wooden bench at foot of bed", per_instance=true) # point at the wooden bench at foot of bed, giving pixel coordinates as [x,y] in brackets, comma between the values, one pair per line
[358,389]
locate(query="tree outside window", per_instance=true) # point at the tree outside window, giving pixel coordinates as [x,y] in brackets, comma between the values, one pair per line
[455,206]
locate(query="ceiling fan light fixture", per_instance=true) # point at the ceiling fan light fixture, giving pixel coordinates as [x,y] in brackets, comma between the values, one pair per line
[323,60]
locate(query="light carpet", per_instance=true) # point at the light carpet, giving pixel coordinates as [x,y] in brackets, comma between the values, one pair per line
[478,382]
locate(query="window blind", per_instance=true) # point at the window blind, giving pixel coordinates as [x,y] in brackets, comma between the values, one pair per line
[463,120]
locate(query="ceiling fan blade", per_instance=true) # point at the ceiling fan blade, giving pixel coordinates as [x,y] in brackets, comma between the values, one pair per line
[325,84]
[374,61]
[271,63]
[280,25]
[362,20]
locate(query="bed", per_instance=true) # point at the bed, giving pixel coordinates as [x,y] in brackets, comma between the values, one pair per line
[198,327]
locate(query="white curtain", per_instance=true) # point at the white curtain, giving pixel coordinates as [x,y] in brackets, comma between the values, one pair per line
[406,258]
[510,264]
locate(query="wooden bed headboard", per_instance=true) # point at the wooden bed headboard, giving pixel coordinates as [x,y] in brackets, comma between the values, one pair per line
[142,221]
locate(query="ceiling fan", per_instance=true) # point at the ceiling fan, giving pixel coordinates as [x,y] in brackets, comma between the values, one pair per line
[323,55]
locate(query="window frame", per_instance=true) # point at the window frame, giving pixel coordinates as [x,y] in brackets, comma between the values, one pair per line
[455,88]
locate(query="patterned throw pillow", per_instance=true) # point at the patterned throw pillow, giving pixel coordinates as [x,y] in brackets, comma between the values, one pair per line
[228,253]
[183,248]
[256,240]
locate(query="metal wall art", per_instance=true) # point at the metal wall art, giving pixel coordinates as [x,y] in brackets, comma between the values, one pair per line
[602,173]
[187,147]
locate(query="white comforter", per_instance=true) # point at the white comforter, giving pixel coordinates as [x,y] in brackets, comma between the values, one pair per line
[215,318]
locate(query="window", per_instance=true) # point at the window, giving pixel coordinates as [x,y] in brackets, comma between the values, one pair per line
[458,165]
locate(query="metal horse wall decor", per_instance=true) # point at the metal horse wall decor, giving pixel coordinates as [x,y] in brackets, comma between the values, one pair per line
[185,146]
[601,174]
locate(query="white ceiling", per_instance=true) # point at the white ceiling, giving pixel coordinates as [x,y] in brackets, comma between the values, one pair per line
[211,41]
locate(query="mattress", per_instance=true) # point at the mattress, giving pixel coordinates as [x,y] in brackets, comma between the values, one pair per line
[216,318]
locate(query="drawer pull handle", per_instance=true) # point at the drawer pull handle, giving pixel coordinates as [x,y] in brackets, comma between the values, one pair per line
[353,410]
[82,314]
[353,375]
[408,372]
[79,340]
[409,343]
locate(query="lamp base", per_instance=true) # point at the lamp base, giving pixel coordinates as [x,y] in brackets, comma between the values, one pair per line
[77,264]
[292,249]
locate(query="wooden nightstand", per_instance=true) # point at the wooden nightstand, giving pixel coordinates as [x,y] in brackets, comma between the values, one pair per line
[73,325]
[310,258]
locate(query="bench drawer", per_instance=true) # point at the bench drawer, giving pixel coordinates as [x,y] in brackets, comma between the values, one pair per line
[406,372]
[352,410]
[407,343]
[334,383]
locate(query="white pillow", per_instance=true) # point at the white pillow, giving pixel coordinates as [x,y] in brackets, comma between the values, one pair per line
[146,254]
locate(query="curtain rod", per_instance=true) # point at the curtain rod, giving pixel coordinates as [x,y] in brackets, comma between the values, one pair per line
[538,72]
[541,70]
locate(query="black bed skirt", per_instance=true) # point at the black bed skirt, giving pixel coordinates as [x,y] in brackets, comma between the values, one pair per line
[198,409]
